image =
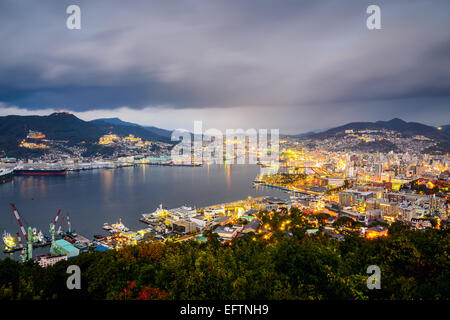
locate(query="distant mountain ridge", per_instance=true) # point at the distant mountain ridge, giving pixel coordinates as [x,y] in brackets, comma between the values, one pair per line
[446,128]
[116,121]
[407,129]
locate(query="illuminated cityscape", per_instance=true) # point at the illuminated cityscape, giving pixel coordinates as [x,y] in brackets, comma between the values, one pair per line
[238,158]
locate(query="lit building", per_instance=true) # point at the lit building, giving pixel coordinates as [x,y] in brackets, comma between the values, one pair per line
[35,135]
[226,233]
[375,232]
[108,139]
[47,260]
[184,226]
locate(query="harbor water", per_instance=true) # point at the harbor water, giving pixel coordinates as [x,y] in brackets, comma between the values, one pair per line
[104,195]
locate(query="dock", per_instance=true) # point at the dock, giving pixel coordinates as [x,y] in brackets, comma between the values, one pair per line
[37,245]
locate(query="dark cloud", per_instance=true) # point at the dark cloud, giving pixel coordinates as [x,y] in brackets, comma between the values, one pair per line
[302,58]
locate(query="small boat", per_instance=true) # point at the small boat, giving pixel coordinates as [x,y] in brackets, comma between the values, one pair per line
[120,226]
[115,227]
[106,226]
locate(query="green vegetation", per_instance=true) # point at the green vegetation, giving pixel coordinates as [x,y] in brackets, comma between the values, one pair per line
[430,188]
[414,265]
[284,179]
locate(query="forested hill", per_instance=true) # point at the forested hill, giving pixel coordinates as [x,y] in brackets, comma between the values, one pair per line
[407,129]
[414,265]
[67,127]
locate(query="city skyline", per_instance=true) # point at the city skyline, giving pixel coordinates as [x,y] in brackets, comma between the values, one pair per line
[229,64]
[228,156]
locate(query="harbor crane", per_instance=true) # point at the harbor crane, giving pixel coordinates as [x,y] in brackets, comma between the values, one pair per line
[56,218]
[53,233]
[66,217]
[23,255]
[60,225]
[29,238]
[68,224]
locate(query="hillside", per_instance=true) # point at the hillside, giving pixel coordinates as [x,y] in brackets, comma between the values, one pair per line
[62,127]
[382,136]
[299,267]
[446,128]
[407,129]
[155,130]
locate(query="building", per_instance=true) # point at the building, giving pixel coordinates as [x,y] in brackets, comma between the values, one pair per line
[184,226]
[226,233]
[64,247]
[201,221]
[132,236]
[408,213]
[373,215]
[35,135]
[108,139]
[222,220]
[351,198]
[336,181]
[252,226]
[376,232]
[270,206]
[48,260]
[390,209]
[183,212]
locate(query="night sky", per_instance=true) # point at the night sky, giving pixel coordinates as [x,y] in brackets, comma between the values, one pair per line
[288,64]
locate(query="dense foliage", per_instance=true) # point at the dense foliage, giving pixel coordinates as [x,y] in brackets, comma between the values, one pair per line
[414,265]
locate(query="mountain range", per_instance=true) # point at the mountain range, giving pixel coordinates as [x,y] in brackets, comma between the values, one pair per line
[117,122]
[440,135]
[67,127]
[407,129]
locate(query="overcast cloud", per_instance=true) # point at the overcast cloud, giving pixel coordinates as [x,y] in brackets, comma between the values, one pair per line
[289,64]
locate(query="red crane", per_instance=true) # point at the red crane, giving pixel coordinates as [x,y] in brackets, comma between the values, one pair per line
[60,224]
[22,250]
[56,219]
[16,213]
[66,216]
[68,223]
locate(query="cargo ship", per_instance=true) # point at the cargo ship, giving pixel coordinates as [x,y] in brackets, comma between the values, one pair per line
[37,171]
[6,175]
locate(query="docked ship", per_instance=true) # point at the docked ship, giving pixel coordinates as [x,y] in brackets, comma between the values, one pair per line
[115,227]
[8,240]
[40,171]
[38,237]
[6,175]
